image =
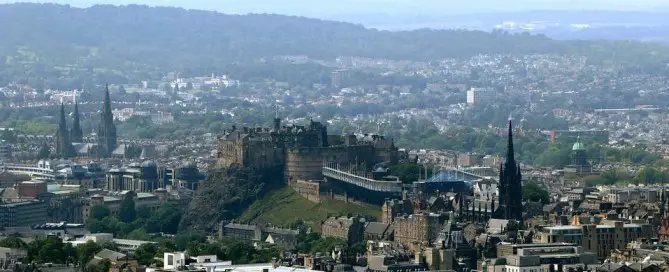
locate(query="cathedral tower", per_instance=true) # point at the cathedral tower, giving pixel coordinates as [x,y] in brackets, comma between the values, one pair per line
[76,134]
[106,129]
[64,148]
[510,186]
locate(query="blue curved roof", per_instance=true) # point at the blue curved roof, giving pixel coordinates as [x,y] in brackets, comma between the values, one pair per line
[447,176]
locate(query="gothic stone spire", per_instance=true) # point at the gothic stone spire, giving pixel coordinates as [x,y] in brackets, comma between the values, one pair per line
[106,130]
[76,135]
[64,148]
[510,185]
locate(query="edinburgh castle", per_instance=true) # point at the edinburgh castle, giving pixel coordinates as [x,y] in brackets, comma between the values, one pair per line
[301,150]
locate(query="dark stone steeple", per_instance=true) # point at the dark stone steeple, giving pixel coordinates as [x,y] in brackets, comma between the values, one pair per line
[510,186]
[64,148]
[106,129]
[76,134]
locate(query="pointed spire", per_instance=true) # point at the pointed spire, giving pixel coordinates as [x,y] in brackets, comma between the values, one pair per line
[106,108]
[62,123]
[64,147]
[76,134]
[509,148]
[106,130]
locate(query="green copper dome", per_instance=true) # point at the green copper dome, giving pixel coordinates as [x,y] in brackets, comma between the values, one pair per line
[578,145]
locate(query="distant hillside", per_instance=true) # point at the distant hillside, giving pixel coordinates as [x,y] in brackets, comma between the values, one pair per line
[130,43]
[283,207]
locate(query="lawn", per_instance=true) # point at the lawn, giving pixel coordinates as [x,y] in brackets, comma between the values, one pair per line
[285,206]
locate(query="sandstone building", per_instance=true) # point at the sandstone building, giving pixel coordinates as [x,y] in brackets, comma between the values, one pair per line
[300,150]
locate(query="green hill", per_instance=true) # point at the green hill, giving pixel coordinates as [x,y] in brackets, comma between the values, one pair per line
[68,47]
[283,207]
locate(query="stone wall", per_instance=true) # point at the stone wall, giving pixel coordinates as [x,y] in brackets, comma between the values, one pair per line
[307,163]
[309,189]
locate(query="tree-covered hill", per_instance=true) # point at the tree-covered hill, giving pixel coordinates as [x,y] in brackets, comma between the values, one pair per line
[124,43]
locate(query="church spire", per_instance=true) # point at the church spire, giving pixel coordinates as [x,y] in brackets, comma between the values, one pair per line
[76,135]
[509,148]
[106,130]
[106,108]
[64,147]
[510,185]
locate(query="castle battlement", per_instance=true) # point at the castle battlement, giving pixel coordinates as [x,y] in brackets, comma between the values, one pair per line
[300,150]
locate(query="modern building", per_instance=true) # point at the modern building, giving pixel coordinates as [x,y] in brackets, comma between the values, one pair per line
[148,176]
[25,213]
[539,258]
[599,239]
[477,96]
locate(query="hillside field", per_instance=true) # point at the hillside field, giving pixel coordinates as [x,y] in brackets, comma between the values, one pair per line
[285,206]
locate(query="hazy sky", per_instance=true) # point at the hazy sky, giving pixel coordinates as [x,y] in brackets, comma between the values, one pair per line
[318,8]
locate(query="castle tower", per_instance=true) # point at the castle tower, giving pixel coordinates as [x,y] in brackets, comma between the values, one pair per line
[510,186]
[64,148]
[106,129]
[76,134]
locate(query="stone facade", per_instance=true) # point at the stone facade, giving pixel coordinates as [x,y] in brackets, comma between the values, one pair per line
[393,208]
[417,230]
[300,150]
[351,229]
[309,189]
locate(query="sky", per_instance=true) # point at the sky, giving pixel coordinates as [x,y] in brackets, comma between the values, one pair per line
[325,8]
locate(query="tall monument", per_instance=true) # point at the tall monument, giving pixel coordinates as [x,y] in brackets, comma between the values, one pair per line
[106,129]
[510,186]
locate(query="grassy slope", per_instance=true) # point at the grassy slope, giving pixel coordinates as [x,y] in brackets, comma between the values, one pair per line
[285,206]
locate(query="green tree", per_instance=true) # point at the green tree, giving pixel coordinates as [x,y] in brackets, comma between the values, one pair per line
[594,180]
[86,252]
[649,175]
[145,253]
[13,241]
[127,210]
[99,212]
[44,152]
[143,212]
[52,251]
[535,193]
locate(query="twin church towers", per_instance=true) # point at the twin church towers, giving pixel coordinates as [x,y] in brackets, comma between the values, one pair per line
[106,133]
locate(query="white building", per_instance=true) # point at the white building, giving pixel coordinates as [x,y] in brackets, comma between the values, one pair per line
[481,95]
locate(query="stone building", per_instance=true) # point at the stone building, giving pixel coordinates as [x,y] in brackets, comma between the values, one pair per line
[351,229]
[256,233]
[417,230]
[300,150]
[393,208]
[112,200]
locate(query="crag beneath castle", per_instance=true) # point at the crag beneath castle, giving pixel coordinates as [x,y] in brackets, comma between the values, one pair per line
[301,150]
